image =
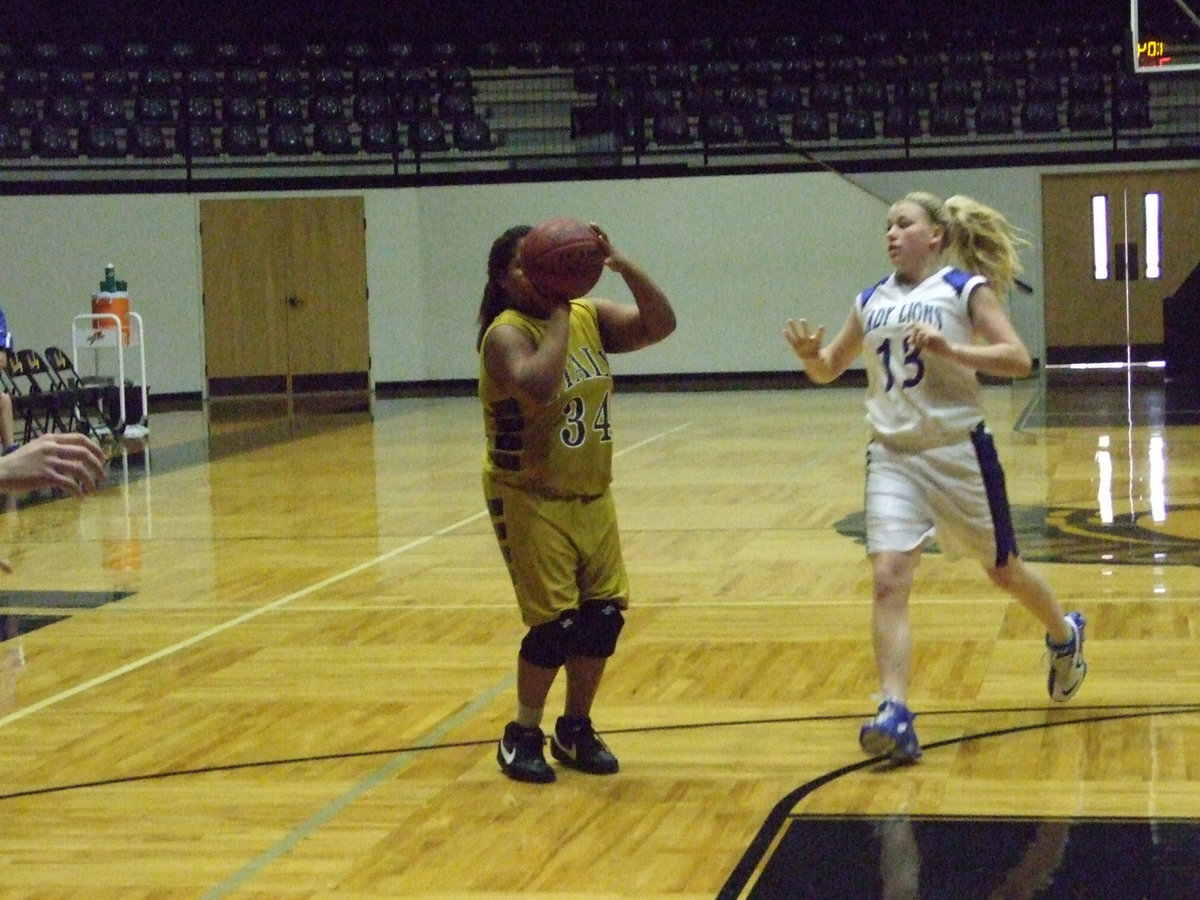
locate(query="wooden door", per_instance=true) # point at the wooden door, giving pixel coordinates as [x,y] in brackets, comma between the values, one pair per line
[1090,319]
[285,295]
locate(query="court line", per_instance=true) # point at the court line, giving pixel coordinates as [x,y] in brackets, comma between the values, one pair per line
[199,637]
[326,813]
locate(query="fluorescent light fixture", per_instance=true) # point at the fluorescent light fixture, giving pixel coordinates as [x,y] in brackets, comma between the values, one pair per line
[1153,204]
[1100,236]
[1104,495]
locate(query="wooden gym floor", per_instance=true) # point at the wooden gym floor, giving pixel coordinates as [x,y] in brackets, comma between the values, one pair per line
[271,658]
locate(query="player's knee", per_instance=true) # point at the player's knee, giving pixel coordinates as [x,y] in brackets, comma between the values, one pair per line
[548,645]
[600,623]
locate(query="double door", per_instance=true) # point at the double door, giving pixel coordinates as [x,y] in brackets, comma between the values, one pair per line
[1112,258]
[285,296]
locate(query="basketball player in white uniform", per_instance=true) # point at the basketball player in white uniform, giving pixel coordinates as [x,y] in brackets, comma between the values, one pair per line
[924,332]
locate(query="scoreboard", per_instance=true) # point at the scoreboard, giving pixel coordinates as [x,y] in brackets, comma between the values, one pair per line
[1166,35]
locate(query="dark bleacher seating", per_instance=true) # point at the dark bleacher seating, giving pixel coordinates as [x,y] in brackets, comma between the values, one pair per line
[109,111]
[287,80]
[148,141]
[157,81]
[286,109]
[674,76]
[199,109]
[999,89]
[719,126]
[68,111]
[870,94]
[659,102]
[969,64]
[18,110]
[287,139]
[1043,87]
[372,107]
[241,139]
[197,139]
[241,110]
[855,124]
[202,81]
[490,55]
[591,78]
[761,126]
[472,133]
[65,81]
[428,135]
[1009,61]
[672,130]
[100,142]
[332,137]
[912,83]
[1086,114]
[955,92]
[12,141]
[947,120]
[242,81]
[371,77]
[1133,113]
[328,108]
[810,125]
[53,141]
[899,122]
[455,104]
[826,97]
[783,98]
[25,81]
[154,110]
[1039,116]
[380,136]
[994,117]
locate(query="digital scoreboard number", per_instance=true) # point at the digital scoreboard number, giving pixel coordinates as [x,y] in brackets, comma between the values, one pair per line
[1166,35]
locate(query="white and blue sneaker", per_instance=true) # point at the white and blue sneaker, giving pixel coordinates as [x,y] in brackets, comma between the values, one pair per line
[891,734]
[1067,665]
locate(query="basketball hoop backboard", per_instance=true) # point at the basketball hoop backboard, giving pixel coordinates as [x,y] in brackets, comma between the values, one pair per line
[1166,35]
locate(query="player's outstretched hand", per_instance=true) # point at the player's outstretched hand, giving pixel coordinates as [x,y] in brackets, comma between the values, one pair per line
[68,461]
[806,344]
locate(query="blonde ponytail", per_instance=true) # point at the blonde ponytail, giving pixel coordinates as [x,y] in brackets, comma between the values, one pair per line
[978,238]
[981,240]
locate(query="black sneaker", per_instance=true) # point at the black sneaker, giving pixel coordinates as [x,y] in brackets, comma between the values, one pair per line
[520,754]
[575,743]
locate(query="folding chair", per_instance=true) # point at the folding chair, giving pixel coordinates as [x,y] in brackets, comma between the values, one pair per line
[26,420]
[89,413]
[33,407]
[55,408]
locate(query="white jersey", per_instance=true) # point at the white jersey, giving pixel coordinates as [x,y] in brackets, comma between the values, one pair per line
[919,400]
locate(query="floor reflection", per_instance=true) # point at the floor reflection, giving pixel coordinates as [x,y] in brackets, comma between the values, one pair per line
[1112,398]
[965,859]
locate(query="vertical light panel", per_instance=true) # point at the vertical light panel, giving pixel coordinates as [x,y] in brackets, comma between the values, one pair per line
[1100,237]
[1153,217]
[1158,479]
[1104,497]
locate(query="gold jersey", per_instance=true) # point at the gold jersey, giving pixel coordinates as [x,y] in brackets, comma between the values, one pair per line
[562,449]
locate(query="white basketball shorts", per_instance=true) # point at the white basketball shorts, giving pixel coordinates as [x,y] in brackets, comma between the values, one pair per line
[955,493]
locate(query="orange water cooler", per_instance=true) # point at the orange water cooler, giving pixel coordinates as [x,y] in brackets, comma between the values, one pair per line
[112,300]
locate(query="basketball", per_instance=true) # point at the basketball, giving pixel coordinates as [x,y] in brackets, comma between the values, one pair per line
[562,258]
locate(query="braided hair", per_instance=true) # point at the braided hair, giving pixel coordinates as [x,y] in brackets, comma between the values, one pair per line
[495,299]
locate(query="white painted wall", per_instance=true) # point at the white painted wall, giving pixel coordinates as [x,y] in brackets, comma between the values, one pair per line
[738,254]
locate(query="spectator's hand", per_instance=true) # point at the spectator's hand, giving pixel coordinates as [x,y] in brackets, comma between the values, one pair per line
[67,461]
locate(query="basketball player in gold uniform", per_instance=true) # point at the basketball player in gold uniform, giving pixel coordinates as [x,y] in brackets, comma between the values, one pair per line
[546,389]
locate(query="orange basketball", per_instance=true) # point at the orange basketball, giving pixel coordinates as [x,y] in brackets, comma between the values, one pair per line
[562,258]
